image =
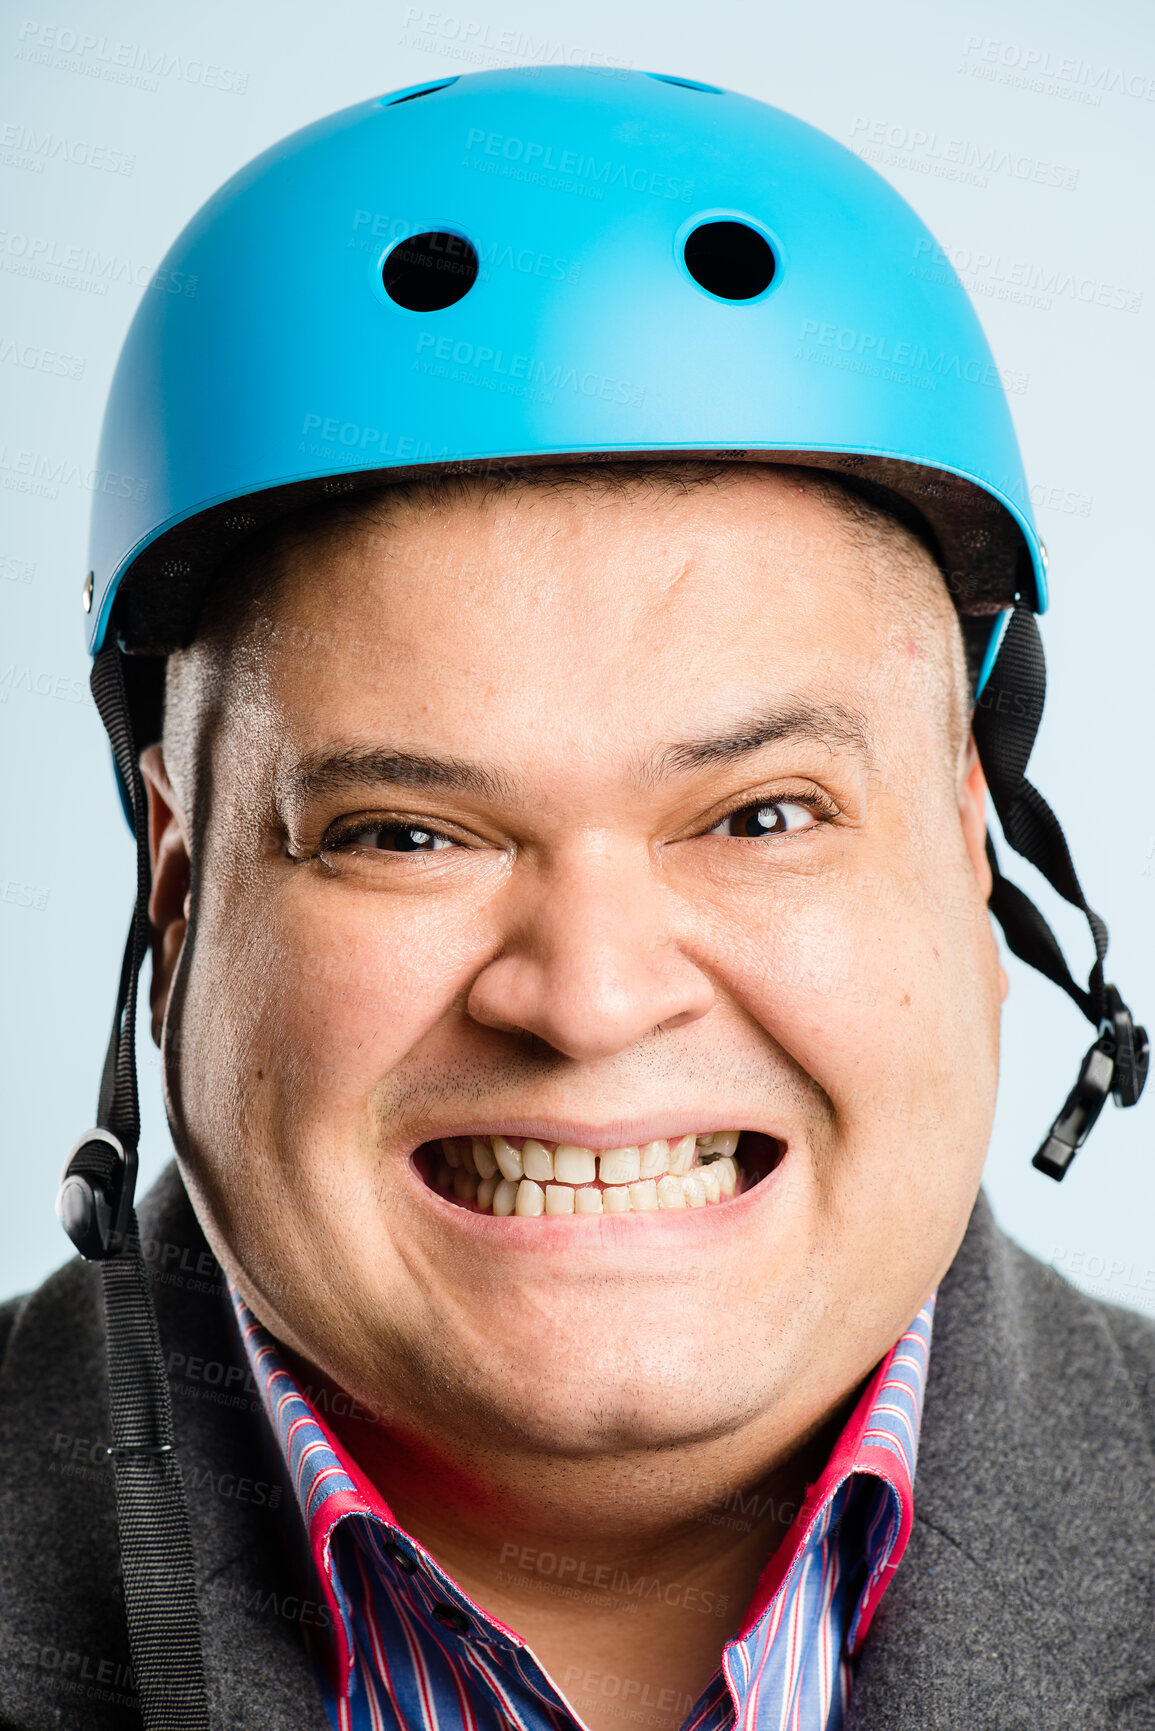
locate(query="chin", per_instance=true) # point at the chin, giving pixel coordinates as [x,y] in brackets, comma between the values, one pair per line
[588,1390]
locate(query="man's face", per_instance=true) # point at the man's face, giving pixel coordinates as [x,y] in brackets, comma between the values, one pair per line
[699,856]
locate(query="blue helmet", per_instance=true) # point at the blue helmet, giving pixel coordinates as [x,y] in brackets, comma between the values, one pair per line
[527,265]
[538,265]
[541,265]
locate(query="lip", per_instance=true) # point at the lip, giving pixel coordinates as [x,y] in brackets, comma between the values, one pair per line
[630,1231]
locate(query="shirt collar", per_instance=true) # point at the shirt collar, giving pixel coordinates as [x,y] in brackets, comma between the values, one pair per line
[878,1442]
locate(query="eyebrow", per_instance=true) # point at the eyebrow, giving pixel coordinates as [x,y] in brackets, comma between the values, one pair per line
[830,724]
[328,772]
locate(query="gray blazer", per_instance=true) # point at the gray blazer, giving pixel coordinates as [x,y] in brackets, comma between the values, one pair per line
[1026,1598]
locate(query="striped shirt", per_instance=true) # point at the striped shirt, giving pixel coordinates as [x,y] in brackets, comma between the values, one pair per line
[407,1650]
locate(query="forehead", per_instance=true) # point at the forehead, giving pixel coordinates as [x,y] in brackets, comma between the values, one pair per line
[757,542]
[606,606]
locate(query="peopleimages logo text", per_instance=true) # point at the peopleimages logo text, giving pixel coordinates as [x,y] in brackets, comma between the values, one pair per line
[1018,279]
[935,364]
[482,361]
[41,256]
[925,151]
[25,147]
[539,158]
[102,56]
[1030,61]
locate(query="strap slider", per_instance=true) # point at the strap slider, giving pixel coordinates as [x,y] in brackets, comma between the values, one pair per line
[119,1450]
[1117,1064]
[1131,1050]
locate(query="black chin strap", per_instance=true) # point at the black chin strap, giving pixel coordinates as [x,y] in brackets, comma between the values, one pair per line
[95,1205]
[1006,721]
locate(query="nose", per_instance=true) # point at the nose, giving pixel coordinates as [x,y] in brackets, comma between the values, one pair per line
[591,961]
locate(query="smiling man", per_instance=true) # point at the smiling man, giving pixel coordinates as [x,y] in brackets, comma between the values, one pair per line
[579,1127]
[568,888]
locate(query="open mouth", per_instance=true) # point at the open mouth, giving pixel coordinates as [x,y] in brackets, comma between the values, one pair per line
[519,1175]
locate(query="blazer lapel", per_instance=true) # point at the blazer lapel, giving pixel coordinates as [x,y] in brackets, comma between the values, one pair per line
[1024,1597]
[256,1617]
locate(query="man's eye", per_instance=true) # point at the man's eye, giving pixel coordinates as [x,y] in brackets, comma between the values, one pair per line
[777,818]
[391,838]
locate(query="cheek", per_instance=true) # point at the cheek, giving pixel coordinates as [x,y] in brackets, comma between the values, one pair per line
[885,1000]
[300,1002]
[882,992]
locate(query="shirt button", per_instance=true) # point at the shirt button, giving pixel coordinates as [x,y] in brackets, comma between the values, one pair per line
[452,1618]
[401,1558]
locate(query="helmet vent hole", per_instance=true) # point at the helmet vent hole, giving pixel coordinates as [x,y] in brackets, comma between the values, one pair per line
[430,271]
[412,95]
[687,83]
[730,260]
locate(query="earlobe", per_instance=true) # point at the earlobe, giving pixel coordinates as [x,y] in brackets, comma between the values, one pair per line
[168,902]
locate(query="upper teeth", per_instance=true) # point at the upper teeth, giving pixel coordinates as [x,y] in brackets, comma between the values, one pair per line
[530,1180]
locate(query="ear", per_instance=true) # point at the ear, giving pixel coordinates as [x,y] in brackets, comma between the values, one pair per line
[972,809]
[168,905]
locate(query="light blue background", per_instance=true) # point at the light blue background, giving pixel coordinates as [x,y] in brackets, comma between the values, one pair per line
[1022,132]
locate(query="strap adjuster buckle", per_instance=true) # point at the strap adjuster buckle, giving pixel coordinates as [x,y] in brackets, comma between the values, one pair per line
[1116,1065]
[1080,1111]
[94,1201]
